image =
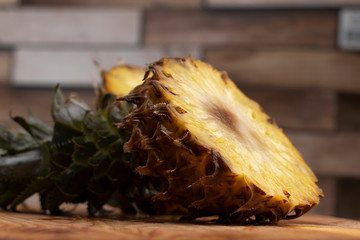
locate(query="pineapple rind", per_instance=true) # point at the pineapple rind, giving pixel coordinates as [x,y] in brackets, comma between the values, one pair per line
[197,179]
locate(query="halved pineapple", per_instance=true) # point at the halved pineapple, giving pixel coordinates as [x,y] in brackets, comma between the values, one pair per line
[120,80]
[212,149]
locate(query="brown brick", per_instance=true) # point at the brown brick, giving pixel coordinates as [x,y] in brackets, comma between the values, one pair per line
[308,110]
[328,203]
[330,154]
[241,27]
[4,66]
[292,68]
[19,101]
[348,198]
[279,3]
[349,112]
[175,4]
[8,2]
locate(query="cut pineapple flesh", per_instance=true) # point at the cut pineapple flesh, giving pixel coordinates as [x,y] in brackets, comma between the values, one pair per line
[215,150]
[120,80]
[223,118]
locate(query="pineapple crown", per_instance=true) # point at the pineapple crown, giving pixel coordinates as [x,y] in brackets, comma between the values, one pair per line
[80,159]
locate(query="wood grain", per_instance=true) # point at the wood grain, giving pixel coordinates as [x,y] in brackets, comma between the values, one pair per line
[280,3]
[69,26]
[34,226]
[329,154]
[303,110]
[315,28]
[291,68]
[45,67]
[173,4]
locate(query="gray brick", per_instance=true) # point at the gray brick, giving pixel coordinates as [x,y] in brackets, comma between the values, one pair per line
[47,67]
[69,26]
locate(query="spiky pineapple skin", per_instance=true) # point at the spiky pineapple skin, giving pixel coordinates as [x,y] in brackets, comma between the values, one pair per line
[196,180]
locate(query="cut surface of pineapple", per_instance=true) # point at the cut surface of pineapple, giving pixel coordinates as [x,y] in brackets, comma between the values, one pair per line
[223,118]
[120,80]
[224,156]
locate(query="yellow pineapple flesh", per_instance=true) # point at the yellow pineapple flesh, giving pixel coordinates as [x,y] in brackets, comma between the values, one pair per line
[120,80]
[214,150]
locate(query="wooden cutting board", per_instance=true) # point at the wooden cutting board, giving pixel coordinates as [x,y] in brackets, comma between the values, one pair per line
[78,226]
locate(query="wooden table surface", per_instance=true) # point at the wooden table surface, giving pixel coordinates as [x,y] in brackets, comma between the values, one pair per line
[26,225]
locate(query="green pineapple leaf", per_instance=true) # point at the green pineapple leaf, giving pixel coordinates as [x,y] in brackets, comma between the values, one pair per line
[36,128]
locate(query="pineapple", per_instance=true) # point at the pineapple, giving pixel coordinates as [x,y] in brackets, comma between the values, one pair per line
[120,80]
[186,141]
[213,149]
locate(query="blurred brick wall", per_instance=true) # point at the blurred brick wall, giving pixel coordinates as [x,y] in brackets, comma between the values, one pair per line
[282,54]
